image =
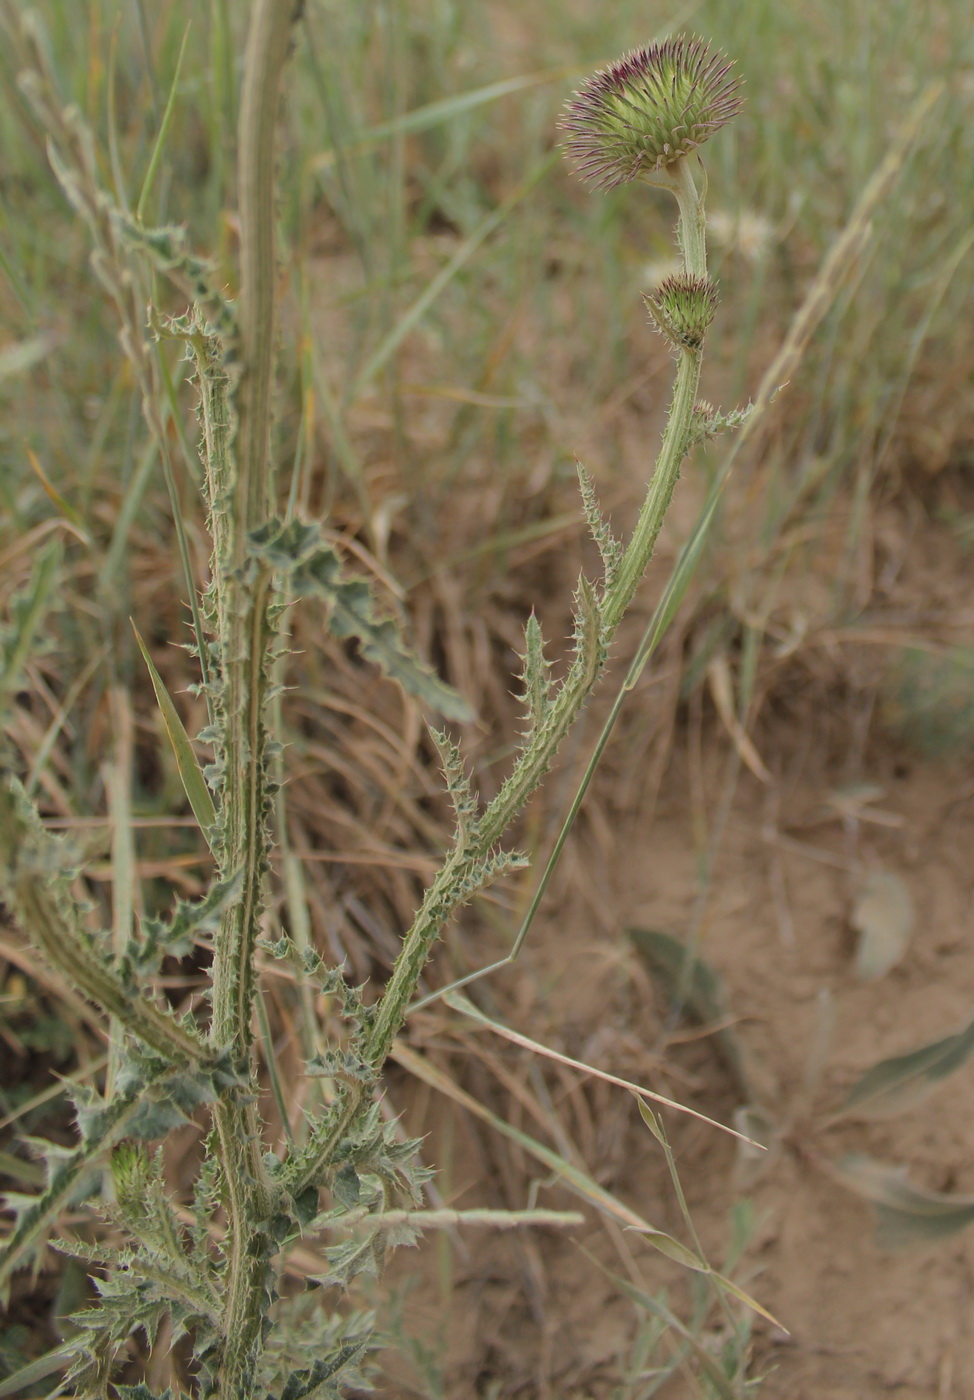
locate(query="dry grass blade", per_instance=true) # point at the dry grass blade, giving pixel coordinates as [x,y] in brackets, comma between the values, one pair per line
[571,1176]
[462,1004]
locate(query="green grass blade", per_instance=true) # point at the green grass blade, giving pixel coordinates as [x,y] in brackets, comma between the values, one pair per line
[447,109]
[29,608]
[190,772]
[27,1376]
[150,173]
[571,1176]
[708,1364]
[407,322]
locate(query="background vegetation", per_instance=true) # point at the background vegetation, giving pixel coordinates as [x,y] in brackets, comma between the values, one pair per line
[463,320]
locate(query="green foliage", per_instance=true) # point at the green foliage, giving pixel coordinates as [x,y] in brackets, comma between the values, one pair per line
[929,701]
[175,936]
[464,802]
[609,547]
[165,1071]
[535,678]
[21,638]
[905,1214]
[304,1326]
[312,568]
[190,772]
[899,1083]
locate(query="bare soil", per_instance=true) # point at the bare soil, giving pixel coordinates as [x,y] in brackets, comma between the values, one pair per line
[530,1314]
[680,836]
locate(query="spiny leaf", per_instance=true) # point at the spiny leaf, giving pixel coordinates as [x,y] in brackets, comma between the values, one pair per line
[318,1383]
[589,646]
[610,548]
[484,872]
[348,1260]
[313,567]
[165,1096]
[329,980]
[306,1325]
[374,1149]
[902,1081]
[190,772]
[458,786]
[168,250]
[707,421]
[339,1064]
[883,916]
[69,1176]
[158,1278]
[347,1186]
[905,1214]
[175,936]
[534,675]
[35,880]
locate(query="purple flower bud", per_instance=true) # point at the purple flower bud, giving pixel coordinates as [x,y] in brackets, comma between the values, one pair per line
[642,114]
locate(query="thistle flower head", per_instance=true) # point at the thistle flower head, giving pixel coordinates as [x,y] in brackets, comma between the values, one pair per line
[682,308]
[645,112]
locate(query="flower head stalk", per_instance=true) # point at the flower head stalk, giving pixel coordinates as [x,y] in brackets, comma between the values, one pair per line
[644,118]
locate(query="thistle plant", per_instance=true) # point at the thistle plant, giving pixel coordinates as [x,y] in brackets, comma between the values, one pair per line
[215,1271]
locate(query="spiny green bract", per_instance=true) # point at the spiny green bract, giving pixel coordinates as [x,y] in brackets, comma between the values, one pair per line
[645,112]
[682,308]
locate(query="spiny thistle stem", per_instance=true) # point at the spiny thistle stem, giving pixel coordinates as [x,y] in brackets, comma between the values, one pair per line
[243,593]
[442,898]
[641,118]
[33,883]
[640,548]
[243,587]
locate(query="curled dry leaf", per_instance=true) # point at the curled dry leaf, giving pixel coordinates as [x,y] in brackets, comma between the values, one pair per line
[883,917]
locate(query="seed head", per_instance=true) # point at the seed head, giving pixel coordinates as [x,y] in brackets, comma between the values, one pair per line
[682,308]
[648,110]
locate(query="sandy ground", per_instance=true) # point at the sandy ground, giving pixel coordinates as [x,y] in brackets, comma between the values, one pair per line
[531,1315]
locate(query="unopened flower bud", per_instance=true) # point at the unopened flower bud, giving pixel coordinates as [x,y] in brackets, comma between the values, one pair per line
[682,308]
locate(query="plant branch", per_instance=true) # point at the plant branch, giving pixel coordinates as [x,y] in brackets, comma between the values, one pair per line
[242,587]
[597,620]
[34,883]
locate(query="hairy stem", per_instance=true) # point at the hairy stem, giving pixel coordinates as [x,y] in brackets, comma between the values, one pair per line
[33,882]
[446,894]
[243,590]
